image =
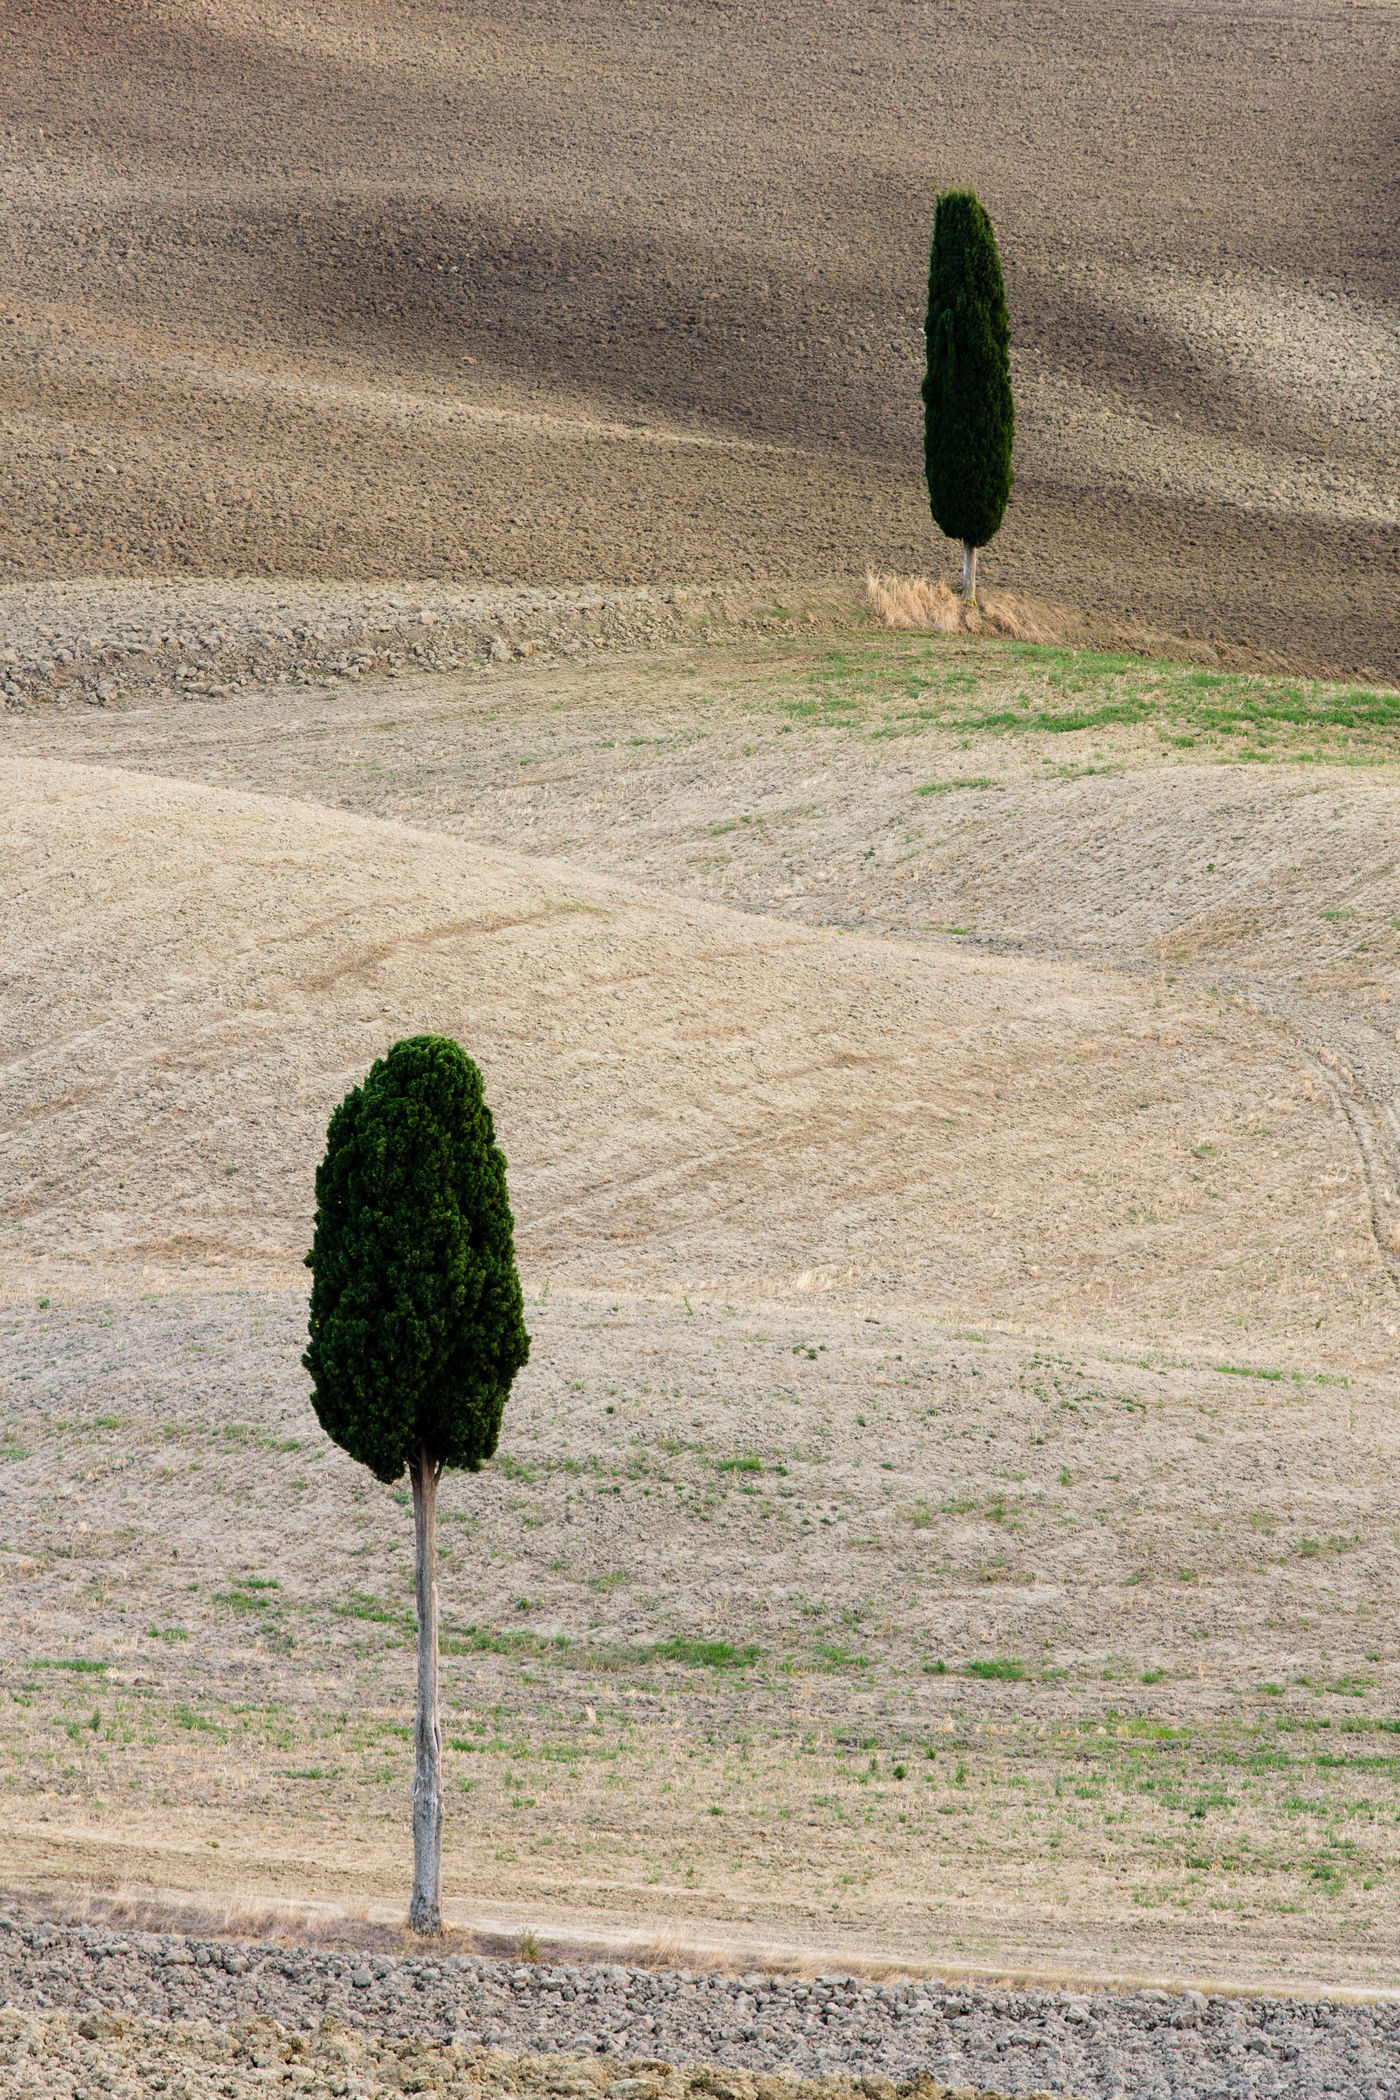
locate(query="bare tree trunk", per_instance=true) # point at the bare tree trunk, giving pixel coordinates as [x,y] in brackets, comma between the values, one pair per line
[969,573]
[425,1910]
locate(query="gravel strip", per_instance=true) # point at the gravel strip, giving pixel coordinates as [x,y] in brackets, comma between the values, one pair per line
[1145,2044]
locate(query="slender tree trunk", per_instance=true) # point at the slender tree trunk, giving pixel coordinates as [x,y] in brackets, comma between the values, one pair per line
[969,573]
[425,1911]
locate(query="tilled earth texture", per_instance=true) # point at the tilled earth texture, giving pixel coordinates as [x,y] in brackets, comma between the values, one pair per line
[607,293]
[152,2013]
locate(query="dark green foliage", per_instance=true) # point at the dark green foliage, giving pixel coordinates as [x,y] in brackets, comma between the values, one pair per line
[417,1325]
[969,415]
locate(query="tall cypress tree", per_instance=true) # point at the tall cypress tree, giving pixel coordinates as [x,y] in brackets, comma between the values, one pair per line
[969,415]
[417,1327]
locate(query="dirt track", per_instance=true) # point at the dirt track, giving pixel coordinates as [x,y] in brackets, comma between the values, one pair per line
[577,295]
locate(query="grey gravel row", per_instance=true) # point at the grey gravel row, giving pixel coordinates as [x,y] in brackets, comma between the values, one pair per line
[1100,2045]
[116,643]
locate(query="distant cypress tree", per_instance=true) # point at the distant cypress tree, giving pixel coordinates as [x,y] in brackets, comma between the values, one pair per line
[417,1327]
[969,415]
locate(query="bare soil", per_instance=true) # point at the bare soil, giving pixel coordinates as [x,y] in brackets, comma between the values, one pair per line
[187,2010]
[47,2054]
[364,290]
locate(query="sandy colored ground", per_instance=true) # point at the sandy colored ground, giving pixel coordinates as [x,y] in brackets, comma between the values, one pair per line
[368,289]
[692,1100]
[910,1303]
[1191,960]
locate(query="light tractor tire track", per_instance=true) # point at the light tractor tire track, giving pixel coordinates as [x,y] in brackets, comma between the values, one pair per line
[278,945]
[1373,1122]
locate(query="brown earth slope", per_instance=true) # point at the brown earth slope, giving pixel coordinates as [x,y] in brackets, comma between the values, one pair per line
[604,292]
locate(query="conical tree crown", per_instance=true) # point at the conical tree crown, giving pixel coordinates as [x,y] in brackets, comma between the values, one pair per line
[417,1326]
[969,415]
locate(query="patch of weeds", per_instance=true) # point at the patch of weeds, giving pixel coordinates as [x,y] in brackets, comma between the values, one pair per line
[513,1468]
[485,1640]
[707,1655]
[1005,1669]
[835,1658]
[197,1723]
[361,1604]
[249,1593]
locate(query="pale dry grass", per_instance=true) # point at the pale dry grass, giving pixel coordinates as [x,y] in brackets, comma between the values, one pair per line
[922,603]
[926,605]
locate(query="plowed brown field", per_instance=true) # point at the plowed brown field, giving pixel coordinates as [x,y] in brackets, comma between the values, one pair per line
[368,289]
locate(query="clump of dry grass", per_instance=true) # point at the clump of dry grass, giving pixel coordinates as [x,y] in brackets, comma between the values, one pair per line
[926,605]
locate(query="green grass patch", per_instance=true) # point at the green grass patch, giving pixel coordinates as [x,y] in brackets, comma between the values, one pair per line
[708,1655]
[360,1604]
[830,1657]
[582,1655]
[514,1468]
[902,684]
[1002,1669]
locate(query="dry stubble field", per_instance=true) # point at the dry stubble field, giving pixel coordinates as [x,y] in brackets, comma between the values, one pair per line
[949,1510]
